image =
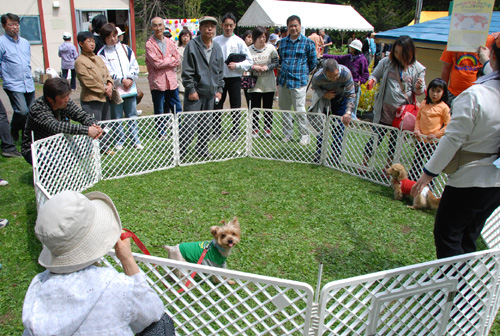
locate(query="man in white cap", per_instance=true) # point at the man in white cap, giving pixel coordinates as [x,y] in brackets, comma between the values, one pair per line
[75,297]
[68,54]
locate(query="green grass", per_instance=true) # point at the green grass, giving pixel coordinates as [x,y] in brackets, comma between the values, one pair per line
[292,216]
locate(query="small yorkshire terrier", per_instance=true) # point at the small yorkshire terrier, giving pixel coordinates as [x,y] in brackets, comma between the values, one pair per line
[225,238]
[402,186]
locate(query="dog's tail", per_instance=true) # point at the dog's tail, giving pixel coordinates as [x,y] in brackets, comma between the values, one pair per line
[433,200]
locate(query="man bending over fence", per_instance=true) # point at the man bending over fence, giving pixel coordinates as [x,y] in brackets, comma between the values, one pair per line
[51,114]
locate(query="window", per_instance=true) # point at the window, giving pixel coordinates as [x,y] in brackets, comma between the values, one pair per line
[29,29]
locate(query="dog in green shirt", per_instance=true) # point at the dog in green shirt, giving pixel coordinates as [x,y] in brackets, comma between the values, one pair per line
[225,237]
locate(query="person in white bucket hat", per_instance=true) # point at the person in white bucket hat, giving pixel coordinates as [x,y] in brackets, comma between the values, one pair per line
[74,296]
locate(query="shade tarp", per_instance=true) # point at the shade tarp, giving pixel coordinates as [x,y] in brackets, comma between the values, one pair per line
[272,13]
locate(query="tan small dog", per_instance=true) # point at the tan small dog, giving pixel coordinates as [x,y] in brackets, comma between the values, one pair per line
[402,186]
[225,238]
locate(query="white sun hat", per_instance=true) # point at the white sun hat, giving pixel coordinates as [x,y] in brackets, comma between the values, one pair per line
[76,230]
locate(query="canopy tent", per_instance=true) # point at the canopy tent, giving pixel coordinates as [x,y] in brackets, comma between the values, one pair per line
[272,13]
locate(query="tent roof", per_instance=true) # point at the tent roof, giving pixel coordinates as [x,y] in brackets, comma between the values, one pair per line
[272,13]
[432,32]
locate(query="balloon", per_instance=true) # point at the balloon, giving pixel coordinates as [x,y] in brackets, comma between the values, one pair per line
[176,38]
[176,22]
[185,20]
[177,30]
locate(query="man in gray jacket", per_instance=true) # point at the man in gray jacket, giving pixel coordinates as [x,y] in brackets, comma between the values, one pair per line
[202,76]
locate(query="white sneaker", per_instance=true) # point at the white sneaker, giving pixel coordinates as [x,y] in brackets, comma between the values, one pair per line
[255,134]
[3,182]
[3,222]
[267,133]
[305,140]
[139,146]
[118,147]
[285,139]
[139,112]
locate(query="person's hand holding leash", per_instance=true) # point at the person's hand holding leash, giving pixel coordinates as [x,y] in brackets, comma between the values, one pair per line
[123,252]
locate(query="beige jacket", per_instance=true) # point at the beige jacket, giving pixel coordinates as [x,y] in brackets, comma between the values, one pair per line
[93,76]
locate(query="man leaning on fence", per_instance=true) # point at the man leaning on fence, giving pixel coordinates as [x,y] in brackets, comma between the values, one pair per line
[202,76]
[297,58]
[333,89]
[51,114]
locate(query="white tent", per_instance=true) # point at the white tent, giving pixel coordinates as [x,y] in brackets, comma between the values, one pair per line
[272,13]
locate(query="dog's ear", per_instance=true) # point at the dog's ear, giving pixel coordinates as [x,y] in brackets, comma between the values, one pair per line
[403,174]
[235,222]
[214,230]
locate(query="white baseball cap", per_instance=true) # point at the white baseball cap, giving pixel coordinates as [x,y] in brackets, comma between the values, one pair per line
[120,32]
[66,35]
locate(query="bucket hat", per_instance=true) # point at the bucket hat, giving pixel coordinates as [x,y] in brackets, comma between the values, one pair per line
[76,230]
[356,44]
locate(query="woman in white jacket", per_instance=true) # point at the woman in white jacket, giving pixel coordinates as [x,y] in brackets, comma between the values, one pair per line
[472,142]
[123,68]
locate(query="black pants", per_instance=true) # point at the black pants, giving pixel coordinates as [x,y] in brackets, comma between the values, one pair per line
[232,86]
[460,218]
[265,100]
[164,327]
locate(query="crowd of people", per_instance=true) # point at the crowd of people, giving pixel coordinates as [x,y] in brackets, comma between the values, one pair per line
[197,74]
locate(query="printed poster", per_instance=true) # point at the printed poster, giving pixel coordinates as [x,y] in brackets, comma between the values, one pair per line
[470,23]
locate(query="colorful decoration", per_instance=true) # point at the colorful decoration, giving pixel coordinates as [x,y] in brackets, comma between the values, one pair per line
[176,25]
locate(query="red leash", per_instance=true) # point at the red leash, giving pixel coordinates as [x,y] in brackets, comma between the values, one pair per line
[142,247]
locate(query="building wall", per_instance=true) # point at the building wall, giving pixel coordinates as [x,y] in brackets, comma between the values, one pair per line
[57,21]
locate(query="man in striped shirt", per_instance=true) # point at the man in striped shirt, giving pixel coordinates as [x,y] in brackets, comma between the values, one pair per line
[297,58]
[51,114]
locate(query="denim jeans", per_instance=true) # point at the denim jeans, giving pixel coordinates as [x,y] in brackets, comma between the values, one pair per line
[64,73]
[21,102]
[165,102]
[129,107]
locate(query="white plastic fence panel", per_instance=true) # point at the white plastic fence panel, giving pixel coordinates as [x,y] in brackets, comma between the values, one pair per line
[270,141]
[362,149]
[64,162]
[209,136]
[414,153]
[491,230]
[133,146]
[254,305]
[454,296]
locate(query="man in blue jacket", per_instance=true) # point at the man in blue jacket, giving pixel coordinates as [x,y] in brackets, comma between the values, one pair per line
[15,70]
[202,76]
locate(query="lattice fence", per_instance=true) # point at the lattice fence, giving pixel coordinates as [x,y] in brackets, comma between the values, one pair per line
[454,296]
[254,305]
[458,296]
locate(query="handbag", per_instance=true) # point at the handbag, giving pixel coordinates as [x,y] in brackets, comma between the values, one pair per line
[248,81]
[405,118]
[115,97]
[140,95]
[406,115]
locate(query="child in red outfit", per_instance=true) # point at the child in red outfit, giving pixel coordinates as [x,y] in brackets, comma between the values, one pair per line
[432,119]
